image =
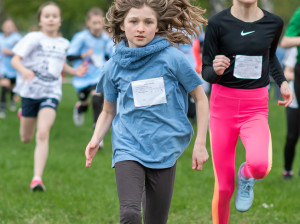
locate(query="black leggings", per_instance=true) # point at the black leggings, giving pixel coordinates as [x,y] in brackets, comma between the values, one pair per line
[297,81]
[137,184]
[293,125]
[293,122]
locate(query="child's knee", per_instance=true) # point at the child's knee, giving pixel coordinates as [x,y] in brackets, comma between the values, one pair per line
[42,136]
[225,193]
[260,169]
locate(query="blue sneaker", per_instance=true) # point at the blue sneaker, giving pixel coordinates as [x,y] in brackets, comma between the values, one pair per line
[244,195]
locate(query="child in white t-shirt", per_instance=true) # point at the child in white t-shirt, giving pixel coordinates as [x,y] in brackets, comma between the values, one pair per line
[40,60]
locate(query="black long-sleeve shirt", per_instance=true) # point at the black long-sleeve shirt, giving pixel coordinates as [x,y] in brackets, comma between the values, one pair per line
[229,36]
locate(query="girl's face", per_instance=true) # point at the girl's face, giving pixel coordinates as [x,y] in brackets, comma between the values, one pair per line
[140,26]
[8,27]
[50,20]
[94,23]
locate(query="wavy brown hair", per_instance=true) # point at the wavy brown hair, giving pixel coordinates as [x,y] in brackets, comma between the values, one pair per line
[177,20]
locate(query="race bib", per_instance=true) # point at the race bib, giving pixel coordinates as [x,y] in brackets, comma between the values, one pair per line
[247,67]
[96,59]
[149,92]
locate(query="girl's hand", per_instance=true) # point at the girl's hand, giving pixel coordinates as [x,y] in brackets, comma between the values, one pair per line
[82,69]
[287,94]
[27,74]
[90,152]
[220,64]
[200,156]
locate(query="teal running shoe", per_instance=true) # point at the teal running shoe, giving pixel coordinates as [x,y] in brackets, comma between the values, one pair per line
[244,195]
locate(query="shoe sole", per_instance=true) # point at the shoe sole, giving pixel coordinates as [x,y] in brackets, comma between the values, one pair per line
[38,187]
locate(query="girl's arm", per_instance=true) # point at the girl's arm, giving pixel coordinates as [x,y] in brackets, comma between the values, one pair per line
[288,42]
[289,73]
[213,64]
[80,71]
[102,126]
[83,55]
[17,64]
[200,155]
[8,52]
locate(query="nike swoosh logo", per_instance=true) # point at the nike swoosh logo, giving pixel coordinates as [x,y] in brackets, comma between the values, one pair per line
[244,34]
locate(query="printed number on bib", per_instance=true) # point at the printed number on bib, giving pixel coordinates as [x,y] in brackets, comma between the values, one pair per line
[149,92]
[247,67]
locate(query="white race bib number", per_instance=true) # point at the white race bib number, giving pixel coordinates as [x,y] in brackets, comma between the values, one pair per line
[96,59]
[247,67]
[149,92]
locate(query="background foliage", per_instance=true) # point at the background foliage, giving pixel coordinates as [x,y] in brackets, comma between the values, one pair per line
[73,11]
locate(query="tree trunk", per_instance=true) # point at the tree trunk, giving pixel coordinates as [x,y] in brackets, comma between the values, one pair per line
[1,10]
[216,6]
[267,5]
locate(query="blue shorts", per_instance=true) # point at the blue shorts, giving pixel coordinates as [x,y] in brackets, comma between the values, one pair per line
[31,107]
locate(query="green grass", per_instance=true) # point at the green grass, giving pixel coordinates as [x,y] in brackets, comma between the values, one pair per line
[79,195]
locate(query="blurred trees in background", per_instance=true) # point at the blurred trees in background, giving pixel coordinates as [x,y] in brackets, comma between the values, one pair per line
[74,11]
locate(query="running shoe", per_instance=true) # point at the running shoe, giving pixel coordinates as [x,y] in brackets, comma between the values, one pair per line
[244,195]
[37,185]
[287,175]
[78,118]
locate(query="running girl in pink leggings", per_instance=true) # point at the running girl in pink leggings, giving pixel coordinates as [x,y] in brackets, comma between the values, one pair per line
[239,50]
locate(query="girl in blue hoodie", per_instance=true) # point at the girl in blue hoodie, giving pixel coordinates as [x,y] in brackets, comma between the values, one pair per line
[151,80]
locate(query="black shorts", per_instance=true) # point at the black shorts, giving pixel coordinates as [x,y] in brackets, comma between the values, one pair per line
[12,80]
[84,93]
[31,107]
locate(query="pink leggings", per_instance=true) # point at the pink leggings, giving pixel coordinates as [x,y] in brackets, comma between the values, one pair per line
[234,113]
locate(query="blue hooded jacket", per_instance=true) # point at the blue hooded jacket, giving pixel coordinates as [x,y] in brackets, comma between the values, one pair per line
[156,135]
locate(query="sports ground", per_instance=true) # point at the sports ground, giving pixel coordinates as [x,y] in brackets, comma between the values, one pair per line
[78,195]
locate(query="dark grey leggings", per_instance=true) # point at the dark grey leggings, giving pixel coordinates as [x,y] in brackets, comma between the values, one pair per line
[155,186]
[293,130]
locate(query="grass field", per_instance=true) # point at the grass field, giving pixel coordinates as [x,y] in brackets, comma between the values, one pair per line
[79,195]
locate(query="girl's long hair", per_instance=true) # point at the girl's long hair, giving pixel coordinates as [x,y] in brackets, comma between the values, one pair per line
[178,20]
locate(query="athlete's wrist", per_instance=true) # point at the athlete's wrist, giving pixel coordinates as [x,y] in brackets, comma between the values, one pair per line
[286,83]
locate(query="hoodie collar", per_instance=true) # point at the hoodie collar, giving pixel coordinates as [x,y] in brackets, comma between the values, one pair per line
[133,58]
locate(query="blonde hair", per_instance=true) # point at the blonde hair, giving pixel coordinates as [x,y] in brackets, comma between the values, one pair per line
[177,20]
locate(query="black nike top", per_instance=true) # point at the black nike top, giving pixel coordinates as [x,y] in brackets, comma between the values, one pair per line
[229,36]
